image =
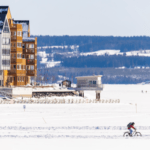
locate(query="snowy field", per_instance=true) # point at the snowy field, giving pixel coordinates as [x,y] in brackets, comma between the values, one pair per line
[79,126]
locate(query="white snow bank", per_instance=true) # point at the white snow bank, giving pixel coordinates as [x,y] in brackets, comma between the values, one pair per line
[145,53]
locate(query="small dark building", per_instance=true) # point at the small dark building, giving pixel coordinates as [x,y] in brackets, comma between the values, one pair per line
[66,83]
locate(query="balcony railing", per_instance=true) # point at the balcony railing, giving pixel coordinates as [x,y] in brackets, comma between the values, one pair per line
[10,72]
[13,37]
[90,86]
[13,60]
[13,49]
[30,72]
[14,26]
[30,61]
[31,51]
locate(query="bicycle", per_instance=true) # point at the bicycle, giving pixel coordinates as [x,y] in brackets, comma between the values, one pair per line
[134,133]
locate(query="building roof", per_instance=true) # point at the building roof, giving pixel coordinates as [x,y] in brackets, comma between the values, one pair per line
[22,21]
[66,81]
[3,13]
[95,76]
[28,39]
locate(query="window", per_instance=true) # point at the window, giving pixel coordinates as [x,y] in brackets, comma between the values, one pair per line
[31,56]
[13,33]
[6,41]
[90,82]
[23,45]
[31,46]
[23,56]
[32,67]
[6,52]
[18,67]
[19,33]
[6,27]
[19,56]
[5,62]
[94,82]
[10,79]
[13,44]
[19,45]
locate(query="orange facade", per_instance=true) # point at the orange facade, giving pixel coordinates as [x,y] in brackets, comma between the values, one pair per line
[23,54]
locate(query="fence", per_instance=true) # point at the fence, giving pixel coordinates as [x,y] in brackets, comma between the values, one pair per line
[57,101]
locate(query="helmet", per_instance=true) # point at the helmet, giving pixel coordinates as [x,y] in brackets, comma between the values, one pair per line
[133,123]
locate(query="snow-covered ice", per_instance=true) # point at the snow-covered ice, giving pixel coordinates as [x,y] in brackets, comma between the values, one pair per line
[79,126]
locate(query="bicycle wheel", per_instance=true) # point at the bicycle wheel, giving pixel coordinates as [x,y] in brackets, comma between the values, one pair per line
[126,134]
[138,134]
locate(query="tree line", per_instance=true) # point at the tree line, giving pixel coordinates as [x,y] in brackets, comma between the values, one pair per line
[93,43]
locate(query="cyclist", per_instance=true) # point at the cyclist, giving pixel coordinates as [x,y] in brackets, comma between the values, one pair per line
[130,127]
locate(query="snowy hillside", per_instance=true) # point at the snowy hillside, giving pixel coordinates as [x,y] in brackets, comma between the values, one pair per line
[117,52]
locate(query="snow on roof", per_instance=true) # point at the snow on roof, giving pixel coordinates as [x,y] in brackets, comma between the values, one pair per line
[3,10]
[28,39]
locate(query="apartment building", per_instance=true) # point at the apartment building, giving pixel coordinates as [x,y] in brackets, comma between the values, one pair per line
[18,62]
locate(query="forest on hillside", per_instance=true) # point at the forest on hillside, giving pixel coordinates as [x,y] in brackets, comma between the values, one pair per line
[94,43]
[104,61]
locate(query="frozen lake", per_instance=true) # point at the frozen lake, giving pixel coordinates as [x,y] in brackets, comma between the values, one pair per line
[79,124]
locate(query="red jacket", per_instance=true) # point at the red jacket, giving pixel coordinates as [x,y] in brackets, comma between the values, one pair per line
[131,127]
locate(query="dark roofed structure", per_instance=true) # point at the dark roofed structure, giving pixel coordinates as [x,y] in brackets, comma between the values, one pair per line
[3,13]
[22,21]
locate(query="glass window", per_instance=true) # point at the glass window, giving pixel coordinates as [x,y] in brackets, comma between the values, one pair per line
[90,82]
[31,56]
[19,45]
[5,62]
[94,82]
[6,41]
[23,45]
[32,67]
[19,33]
[6,27]
[6,52]
[31,46]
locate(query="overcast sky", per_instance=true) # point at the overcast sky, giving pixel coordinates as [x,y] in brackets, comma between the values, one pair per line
[83,17]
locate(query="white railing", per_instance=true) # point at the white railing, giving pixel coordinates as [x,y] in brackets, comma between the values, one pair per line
[57,101]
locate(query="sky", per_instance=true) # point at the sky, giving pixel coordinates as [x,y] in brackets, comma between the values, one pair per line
[83,17]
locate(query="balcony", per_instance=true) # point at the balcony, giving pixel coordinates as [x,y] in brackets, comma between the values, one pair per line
[13,26]
[30,61]
[13,49]
[29,51]
[13,38]
[30,73]
[12,72]
[13,60]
